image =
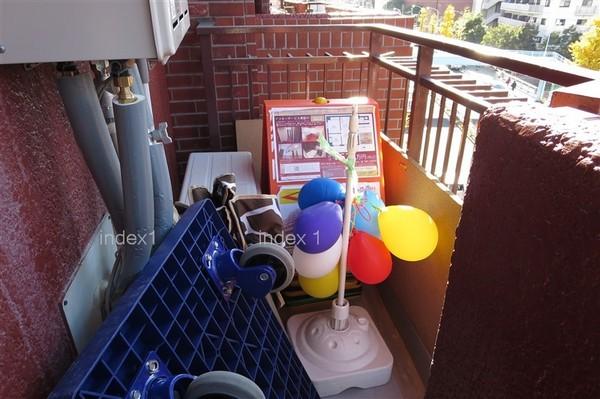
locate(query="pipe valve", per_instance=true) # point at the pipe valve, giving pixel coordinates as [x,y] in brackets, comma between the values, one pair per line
[124,84]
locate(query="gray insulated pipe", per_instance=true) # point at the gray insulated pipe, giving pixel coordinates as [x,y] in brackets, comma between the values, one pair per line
[138,89]
[163,196]
[91,133]
[136,174]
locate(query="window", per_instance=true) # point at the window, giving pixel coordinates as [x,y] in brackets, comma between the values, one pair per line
[581,21]
[537,39]
[587,3]
[560,22]
[547,3]
[564,3]
[523,18]
[543,21]
[498,6]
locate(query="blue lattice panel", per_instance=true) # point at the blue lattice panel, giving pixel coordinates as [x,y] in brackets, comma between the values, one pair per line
[175,310]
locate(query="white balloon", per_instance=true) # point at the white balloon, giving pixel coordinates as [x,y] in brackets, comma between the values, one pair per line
[319,264]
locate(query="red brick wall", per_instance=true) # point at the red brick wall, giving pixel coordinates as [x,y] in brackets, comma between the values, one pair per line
[187,94]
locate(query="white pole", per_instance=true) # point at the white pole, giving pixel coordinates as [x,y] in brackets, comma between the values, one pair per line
[350,179]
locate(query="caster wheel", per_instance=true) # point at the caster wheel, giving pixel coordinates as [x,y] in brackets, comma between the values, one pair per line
[271,255]
[223,385]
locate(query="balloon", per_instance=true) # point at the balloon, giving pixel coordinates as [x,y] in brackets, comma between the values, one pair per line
[319,190]
[368,258]
[366,212]
[317,265]
[322,287]
[318,227]
[409,233]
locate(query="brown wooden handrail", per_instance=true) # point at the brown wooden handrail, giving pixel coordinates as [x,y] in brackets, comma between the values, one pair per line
[565,75]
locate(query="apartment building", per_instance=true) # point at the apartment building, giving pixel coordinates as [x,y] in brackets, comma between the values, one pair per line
[548,15]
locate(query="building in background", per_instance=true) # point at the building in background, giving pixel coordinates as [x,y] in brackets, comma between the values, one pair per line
[440,5]
[549,15]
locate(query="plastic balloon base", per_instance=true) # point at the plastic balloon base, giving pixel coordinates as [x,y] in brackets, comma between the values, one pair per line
[337,360]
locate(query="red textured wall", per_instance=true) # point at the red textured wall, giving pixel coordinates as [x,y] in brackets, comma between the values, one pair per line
[521,315]
[49,206]
[187,95]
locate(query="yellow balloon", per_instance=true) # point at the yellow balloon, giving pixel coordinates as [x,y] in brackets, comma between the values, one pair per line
[409,233]
[322,287]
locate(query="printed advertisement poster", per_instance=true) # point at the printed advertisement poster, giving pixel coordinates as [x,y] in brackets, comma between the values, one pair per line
[298,156]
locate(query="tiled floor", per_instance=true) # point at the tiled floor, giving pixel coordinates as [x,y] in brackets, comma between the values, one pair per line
[405,382]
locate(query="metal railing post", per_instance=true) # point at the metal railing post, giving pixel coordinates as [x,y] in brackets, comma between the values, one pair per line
[375,45]
[208,71]
[419,103]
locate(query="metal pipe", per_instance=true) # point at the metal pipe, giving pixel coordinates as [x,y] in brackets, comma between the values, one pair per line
[163,194]
[136,175]
[91,133]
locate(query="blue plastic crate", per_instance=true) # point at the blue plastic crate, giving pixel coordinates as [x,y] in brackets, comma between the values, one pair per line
[174,309]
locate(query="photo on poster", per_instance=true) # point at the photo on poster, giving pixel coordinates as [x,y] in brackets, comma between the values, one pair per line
[312,150]
[290,151]
[289,134]
[312,133]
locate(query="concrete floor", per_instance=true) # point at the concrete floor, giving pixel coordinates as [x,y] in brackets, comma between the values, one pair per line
[405,382]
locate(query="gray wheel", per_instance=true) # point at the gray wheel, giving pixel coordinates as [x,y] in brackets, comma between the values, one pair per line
[215,384]
[273,255]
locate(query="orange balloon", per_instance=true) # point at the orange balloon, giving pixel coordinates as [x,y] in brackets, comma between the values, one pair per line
[368,258]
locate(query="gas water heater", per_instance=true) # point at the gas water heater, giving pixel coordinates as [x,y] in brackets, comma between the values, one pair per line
[82,30]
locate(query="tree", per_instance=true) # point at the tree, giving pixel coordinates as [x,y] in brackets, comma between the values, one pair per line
[527,37]
[560,41]
[433,24]
[447,24]
[423,19]
[469,26]
[394,5]
[586,51]
[503,36]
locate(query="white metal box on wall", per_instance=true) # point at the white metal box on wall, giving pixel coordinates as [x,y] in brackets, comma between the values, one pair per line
[34,31]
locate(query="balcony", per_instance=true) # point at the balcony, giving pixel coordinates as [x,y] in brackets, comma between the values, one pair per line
[430,117]
[587,11]
[511,21]
[489,4]
[522,7]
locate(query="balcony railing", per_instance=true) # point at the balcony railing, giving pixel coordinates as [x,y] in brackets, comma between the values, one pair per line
[522,7]
[432,95]
[511,21]
[586,11]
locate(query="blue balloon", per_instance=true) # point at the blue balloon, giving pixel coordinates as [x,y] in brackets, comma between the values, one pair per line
[318,227]
[319,190]
[366,212]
